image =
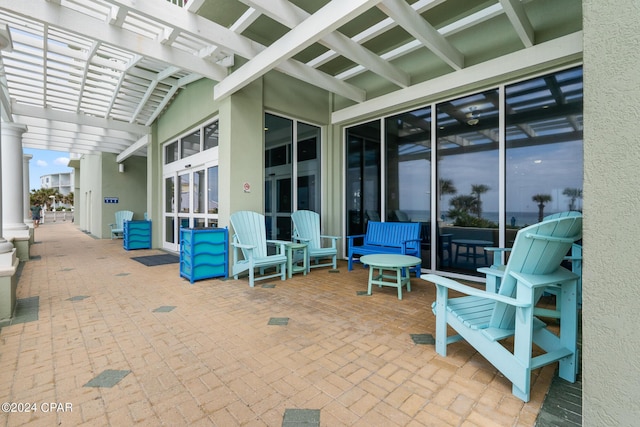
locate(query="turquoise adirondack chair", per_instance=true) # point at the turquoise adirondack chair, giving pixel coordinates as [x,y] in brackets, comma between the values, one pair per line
[306,229]
[117,228]
[250,238]
[495,272]
[484,319]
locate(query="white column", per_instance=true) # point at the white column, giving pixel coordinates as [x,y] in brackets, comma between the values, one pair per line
[26,188]
[12,180]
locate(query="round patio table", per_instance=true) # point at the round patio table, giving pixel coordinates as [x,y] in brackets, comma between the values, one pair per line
[399,264]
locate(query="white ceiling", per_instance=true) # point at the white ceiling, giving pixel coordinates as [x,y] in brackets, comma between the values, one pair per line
[93,75]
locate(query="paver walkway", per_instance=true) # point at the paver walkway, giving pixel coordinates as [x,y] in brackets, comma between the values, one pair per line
[117,343]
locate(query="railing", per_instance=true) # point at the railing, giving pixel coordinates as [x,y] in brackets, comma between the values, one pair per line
[55,216]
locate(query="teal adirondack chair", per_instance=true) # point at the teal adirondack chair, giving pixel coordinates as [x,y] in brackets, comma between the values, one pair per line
[117,228]
[306,229]
[484,319]
[495,272]
[250,238]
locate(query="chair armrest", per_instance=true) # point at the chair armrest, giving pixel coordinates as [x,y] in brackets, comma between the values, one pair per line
[280,243]
[468,290]
[355,236]
[334,240]
[544,280]
[497,254]
[242,246]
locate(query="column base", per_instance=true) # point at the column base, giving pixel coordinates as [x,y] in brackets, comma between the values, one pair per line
[8,283]
[20,240]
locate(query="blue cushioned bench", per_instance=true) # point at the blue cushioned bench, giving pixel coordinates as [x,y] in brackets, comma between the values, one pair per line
[387,238]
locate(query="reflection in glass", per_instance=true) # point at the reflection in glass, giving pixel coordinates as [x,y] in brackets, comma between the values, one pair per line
[169,195]
[408,172]
[183,188]
[363,176]
[198,191]
[308,164]
[169,230]
[211,136]
[190,144]
[171,152]
[278,141]
[544,143]
[212,190]
[468,177]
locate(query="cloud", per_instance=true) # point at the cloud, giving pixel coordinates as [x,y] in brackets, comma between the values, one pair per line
[41,163]
[63,161]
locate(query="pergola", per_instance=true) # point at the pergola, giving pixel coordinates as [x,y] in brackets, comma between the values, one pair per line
[92,75]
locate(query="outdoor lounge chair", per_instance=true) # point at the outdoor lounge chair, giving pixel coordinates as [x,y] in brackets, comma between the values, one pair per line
[495,272]
[117,229]
[250,238]
[485,319]
[306,229]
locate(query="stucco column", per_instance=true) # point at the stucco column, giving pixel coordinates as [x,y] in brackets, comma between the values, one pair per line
[26,190]
[12,179]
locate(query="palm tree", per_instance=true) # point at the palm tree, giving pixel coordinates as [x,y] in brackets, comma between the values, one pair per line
[43,196]
[479,189]
[573,194]
[541,199]
[447,187]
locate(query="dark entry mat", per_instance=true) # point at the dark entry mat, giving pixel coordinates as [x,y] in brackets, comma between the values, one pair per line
[153,260]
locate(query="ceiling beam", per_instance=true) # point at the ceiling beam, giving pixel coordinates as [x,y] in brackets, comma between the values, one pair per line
[230,41]
[79,119]
[327,19]
[518,18]
[138,145]
[414,24]
[290,15]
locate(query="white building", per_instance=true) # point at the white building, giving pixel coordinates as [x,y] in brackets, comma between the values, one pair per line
[63,182]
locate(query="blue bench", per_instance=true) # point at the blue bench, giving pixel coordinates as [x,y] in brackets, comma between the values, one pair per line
[387,238]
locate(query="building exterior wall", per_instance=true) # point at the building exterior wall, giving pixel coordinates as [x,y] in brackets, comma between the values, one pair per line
[610,366]
[129,187]
[99,178]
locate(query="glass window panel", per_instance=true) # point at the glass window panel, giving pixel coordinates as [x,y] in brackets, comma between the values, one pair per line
[169,232]
[190,144]
[468,178]
[363,176]
[169,195]
[544,140]
[278,140]
[308,163]
[408,171]
[212,190]
[171,152]
[183,188]
[198,191]
[211,136]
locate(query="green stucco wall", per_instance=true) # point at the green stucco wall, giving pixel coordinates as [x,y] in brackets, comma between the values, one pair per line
[611,366]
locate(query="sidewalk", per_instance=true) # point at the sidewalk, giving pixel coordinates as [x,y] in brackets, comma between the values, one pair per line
[117,343]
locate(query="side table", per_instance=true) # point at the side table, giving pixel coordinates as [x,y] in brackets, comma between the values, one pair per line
[293,265]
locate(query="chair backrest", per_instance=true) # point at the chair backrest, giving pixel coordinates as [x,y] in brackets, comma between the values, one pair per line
[249,229]
[393,233]
[306,226]
[122,216]
[538,249]
[562,215]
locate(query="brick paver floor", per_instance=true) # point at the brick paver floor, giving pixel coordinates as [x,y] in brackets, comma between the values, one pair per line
[207,354]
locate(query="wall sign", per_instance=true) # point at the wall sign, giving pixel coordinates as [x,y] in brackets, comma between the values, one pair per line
[111,200]
[246,187]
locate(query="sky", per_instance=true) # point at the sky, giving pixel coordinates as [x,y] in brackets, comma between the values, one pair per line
[45,162]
